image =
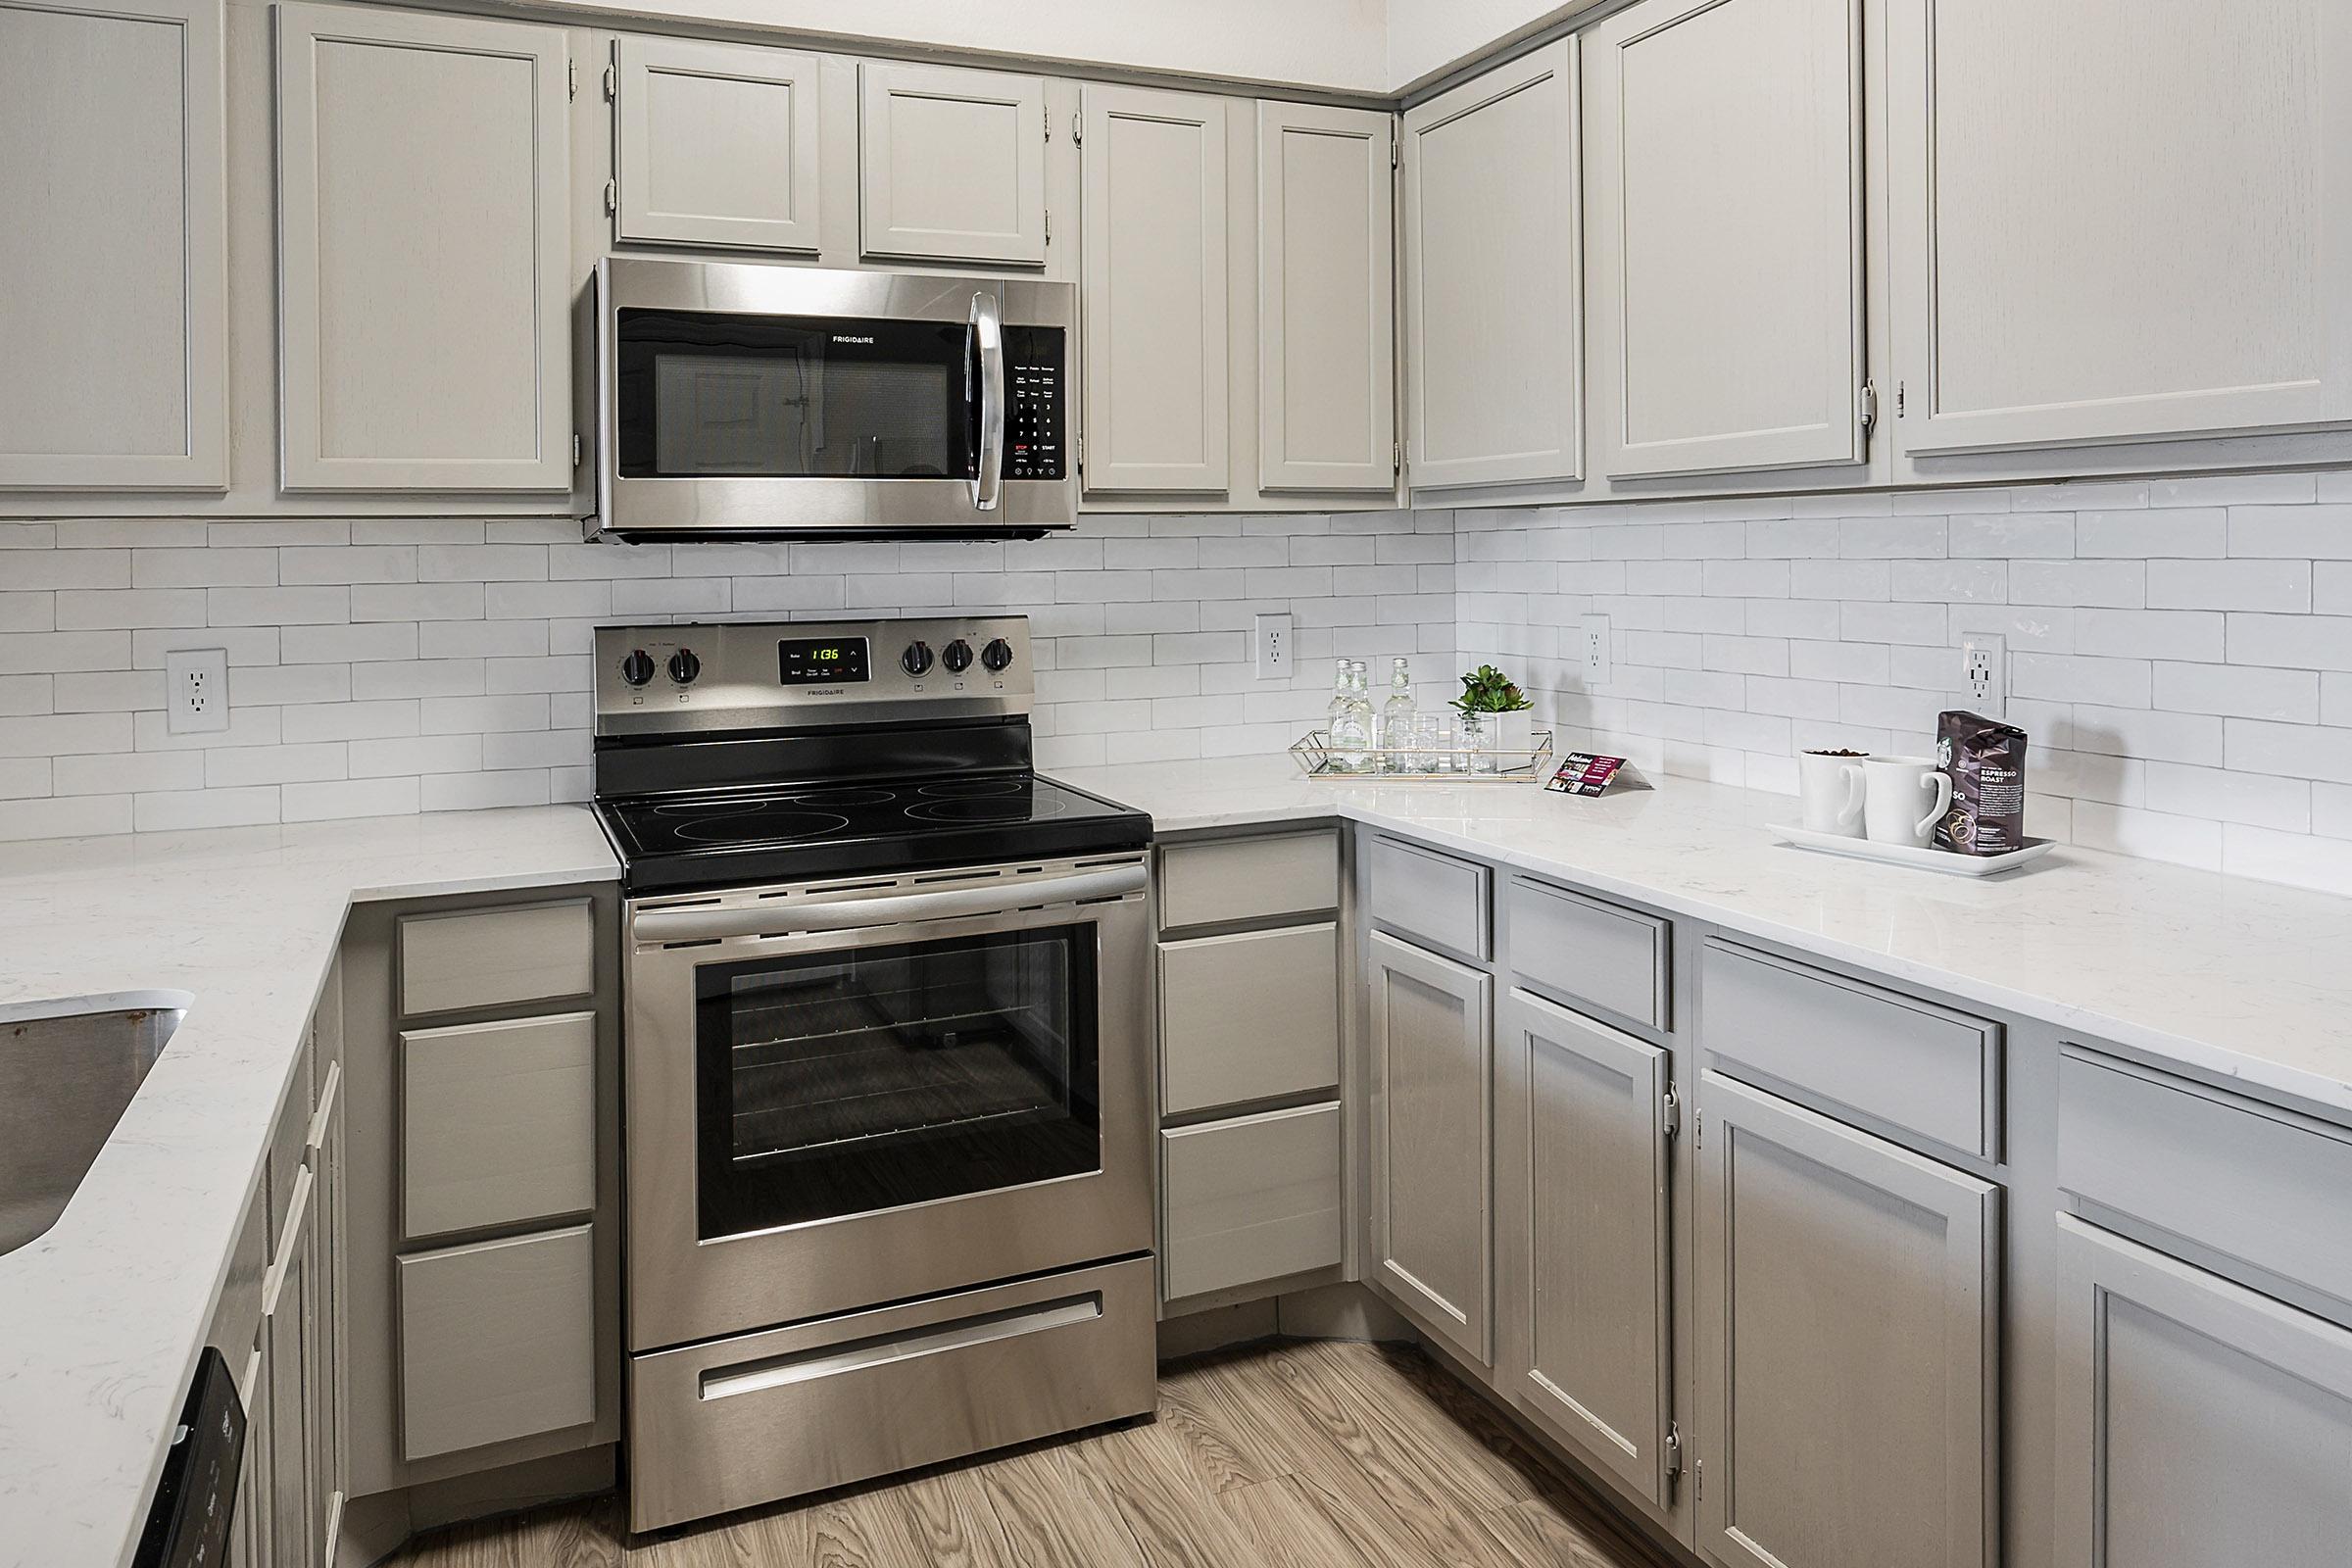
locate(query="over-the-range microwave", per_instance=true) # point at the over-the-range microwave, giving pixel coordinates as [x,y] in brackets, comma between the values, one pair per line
[741,400]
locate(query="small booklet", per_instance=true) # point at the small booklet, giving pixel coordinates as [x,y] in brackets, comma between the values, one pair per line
[1585,773]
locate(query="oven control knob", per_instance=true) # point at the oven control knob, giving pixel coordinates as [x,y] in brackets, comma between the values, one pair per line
[916,659]
[684,665]
[638,667]
[958,656]
[997,655]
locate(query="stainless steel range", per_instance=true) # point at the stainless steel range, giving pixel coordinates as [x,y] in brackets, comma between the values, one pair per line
[888,1180]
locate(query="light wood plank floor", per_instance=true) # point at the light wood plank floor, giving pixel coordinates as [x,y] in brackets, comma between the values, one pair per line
[1295,1454]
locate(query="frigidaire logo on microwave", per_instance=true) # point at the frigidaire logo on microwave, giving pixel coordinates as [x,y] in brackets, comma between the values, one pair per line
[844,337]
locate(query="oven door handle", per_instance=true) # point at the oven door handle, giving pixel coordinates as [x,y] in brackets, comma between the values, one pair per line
[988,340]
[780,917]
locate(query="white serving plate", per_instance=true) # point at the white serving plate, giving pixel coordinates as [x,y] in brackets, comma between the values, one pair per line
[1946,861]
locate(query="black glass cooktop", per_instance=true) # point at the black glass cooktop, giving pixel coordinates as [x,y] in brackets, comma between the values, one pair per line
[791,832]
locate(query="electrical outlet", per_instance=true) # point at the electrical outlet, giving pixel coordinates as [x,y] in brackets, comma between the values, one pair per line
[196,681]
[1984,673]
[1594,652]
[1272,640]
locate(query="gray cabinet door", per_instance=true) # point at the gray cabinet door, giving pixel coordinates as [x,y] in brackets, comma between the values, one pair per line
[1493,314]
[2063,176]
[1326,298]
[424,267]
[1433,1085]
[1847,1323]
[1724,234]
[1599,1323]
[716,144]
[113,304]
[2200,1425]
[1154,295]
[952,162]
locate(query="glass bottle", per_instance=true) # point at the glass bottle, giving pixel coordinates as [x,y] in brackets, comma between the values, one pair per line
[1396,719]
[1347,724]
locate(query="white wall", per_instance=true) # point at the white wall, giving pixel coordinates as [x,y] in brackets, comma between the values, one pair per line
[1425,36]
[1339,44]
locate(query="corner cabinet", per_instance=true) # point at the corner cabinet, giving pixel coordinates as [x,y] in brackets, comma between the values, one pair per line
[1155,291]
[1849,1315]
[424,257]
[1494,311]
[717,144]
[1326,298]
[2065,175]
[1724,238]
[951,165]
[1431,1142]
[2168,1375]
[113,317]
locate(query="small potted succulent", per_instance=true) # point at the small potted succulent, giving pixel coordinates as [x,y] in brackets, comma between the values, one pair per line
[1495,715]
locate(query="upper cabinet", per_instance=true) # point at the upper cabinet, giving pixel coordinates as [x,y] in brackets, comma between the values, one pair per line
[1155,291]
[717,145]
[953,164]
[113,308]
[1493,310]
[1326,298]
[423,165]
[1724,246]
[2117,223]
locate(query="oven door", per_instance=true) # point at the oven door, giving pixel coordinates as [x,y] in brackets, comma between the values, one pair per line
[740,399]
[842,1099]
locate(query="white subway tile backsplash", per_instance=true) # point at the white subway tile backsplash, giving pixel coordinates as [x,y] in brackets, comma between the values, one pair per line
[2273,585]
[2239,691]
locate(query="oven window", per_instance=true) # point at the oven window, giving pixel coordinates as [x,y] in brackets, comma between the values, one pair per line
[840,1082]
[706,395]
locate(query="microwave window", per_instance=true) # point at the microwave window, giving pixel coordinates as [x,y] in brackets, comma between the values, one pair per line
[716,396]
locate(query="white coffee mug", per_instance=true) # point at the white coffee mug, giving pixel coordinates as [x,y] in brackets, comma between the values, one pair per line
[1893,790]
[1830,785]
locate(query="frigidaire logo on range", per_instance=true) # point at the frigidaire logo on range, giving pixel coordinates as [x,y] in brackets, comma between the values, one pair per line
[844,337]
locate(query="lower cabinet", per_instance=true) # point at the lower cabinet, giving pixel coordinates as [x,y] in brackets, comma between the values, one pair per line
[1598,1311]
[2200,1425]
[1433,1080]
[1249,1199]
[1848,1316]
[497,1341]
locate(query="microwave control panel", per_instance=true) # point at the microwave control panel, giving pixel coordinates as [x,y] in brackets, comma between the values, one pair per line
[1034,384]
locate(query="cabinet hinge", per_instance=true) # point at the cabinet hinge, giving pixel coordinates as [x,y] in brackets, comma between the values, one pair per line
[1081,448]
[1049,225]
[1673,1123]
[1396,150]
[1077,130]
[572,79]
[1396,457]
[611,197]
[611,83]
[1698,1129]
[1674,1450]
[1870,406]
[575,449]
[1698,1472]
[1899,390]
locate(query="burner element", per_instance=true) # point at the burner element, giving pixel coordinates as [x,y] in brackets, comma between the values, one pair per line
[987,809]
[845,795]
[762,825]
[968,789]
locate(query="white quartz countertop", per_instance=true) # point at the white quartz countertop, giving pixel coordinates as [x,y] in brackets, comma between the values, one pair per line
[102,1318]
[2242,978]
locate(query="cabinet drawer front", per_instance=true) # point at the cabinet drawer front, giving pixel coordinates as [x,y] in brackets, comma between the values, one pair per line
[1253,1199]
[1245,879]
[1435,897]
[1587,950]
[2255,1182]
[1249,1017]
[495,957]
[497,1341]
[1910,1063]
[787,1411]
[497,1123]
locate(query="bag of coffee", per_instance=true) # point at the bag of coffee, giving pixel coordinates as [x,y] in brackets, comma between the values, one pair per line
[1985,761]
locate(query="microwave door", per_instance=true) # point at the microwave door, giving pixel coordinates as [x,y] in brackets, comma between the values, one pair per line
[988,362]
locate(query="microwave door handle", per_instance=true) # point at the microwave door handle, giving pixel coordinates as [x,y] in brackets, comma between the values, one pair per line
[988,337]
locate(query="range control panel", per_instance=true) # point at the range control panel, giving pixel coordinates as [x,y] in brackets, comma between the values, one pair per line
[1035,380]
[785,674]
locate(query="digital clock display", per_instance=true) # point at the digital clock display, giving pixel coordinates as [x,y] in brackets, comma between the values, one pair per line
[816,660]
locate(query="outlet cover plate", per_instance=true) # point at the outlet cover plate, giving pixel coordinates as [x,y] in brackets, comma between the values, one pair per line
[1984,673]
[196,690]
[1592,649]
[1271,638]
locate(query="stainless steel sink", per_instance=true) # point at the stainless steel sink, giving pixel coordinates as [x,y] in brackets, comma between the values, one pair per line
[67,1070]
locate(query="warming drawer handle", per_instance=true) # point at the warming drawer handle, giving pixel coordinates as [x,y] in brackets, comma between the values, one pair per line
[860,1355]
[782,917]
